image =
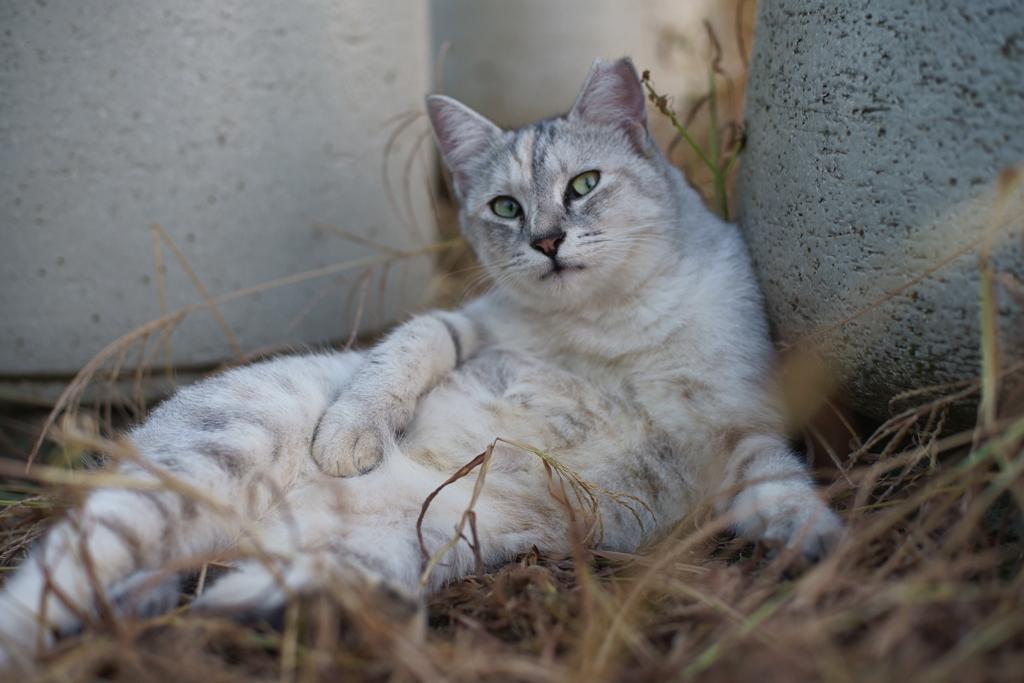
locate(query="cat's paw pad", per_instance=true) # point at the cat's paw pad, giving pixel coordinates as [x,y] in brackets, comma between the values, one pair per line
[350,440]
[788,514]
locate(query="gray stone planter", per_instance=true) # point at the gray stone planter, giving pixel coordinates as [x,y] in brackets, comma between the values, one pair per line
[876,132]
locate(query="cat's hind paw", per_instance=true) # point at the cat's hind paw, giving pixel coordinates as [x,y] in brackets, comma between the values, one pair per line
[253,593]
[145,593]
[788,514]
[350,439]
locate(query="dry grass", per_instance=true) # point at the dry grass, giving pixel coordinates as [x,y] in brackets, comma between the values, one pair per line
[927,586]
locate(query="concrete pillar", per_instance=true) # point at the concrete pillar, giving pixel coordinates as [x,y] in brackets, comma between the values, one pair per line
[876,131]
[233,124]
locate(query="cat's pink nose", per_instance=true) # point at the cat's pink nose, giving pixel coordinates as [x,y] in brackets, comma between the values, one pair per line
[548,244]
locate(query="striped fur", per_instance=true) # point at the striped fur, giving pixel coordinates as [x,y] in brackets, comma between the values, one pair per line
[624,338]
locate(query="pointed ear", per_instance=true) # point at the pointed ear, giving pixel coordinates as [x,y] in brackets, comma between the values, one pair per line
[613,95]
[462,134]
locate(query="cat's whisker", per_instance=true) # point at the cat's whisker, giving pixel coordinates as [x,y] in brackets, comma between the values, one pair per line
[468,269]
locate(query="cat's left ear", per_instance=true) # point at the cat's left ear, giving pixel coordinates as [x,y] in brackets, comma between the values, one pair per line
[613,95]
[462,134]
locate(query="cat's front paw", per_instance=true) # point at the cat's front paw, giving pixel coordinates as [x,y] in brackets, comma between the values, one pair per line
[788,514]
[350,439]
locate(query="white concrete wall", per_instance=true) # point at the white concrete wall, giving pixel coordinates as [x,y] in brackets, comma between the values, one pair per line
[235,124]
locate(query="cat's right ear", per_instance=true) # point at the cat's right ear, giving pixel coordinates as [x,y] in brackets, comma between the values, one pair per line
[462,134]
[613,95]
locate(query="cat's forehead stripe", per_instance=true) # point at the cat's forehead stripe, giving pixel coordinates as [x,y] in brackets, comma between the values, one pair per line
[547,131]
[522,152]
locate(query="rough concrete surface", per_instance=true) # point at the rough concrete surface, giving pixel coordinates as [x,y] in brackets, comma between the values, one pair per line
[876,131]
[233,124]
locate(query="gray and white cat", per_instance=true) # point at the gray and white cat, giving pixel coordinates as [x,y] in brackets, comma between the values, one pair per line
[624,338]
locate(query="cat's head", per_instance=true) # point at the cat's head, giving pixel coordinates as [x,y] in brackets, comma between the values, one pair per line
[569,209]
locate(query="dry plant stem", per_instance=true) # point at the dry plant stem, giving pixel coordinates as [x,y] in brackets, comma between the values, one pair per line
[425,159]
[738,29]
[417,150]
[363,284]
[290,642]
[404,121]
[1009,181]
[989,344]
[584,490]
[141,372]
[314,302]
[202,289]
[61,476]
[106,613]
[442,53]
[1012,284]
[846,423]
[937,389]
[661,102]
[432,561]
[719,165]
[408,217]
[735,145]
[380,312]
[352,237]
[162,291]
[201,583]
[720,196]
[902,423]
[110,385]
[816,433]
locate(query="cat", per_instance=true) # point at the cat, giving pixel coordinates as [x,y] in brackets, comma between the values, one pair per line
[624,338]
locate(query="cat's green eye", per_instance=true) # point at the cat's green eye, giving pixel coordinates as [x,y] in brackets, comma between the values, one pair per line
[506,207]
[584,183]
